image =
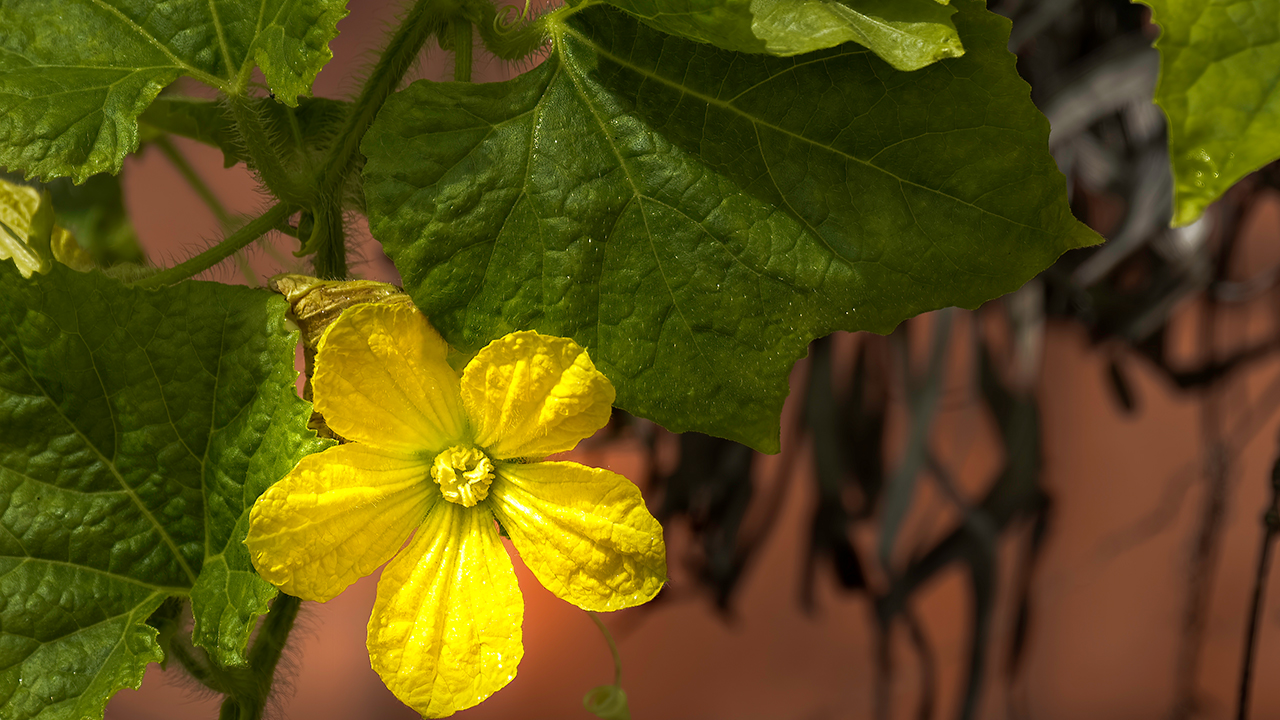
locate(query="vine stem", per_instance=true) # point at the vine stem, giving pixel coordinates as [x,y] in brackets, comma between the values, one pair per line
[254,229]
[462,45]
[197,183]
[1271,527]
[613,648]
[248,701]
[264,158]
[396,59]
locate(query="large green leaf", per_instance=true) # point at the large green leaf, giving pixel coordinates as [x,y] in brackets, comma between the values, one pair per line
[75,74]
[293,132]
[1220,87]
[908,34]
[694,217]
[136,429]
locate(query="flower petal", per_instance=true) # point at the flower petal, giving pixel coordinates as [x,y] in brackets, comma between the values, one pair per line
[445,631]
[532,395]
[584,532]
[381,378]
[336,517]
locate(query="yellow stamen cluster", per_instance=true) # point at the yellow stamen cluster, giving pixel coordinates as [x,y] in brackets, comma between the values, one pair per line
[464,475]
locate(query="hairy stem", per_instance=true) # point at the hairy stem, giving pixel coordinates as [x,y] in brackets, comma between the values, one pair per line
[199,669]
[255,229]
[249,700]
[462,43]
[399,55]
[262,155]
[197,183]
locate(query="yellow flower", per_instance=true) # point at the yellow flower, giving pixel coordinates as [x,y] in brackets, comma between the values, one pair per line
[447,456]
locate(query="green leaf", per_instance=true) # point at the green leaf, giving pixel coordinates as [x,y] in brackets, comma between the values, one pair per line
[1220,86]
[694,217]
[75,74]
[294,132]
[138,428]
[908,34]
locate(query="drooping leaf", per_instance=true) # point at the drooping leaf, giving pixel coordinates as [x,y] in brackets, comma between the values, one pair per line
[694,217]
[136,429]
[293,130]
[75,74]
[1220,86]
[908,34]
[19,206]
[95,218]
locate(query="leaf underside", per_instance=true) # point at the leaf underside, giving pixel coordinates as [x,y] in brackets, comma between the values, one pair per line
[138,428]
[1220,87]
[907,34]
[71,89]
[694,217]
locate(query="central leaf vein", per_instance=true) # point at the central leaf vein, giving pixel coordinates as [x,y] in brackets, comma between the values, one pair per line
[639,196]
[729,107]
[155,42]
[110,464]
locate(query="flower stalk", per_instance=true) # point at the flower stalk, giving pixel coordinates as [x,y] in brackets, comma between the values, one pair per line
[254,229]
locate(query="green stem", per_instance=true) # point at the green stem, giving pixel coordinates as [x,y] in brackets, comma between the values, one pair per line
[262,155]
[197,183]
[266,651]
[462,44]
[201,671]
[250,702]
[397,58]
[255,229]
[613,648]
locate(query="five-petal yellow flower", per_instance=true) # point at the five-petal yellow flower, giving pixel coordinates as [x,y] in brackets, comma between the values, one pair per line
[447,456]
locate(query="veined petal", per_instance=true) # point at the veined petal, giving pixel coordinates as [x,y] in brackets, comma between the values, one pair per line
[445,631]
[584,532]
[532,395]
[381,378]
[336,517]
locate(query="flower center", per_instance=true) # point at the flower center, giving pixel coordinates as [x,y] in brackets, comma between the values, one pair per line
[464,475]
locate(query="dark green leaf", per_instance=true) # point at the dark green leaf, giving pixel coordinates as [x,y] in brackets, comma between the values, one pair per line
[1220,86]
[694,217]
[75,74]
[138,428]
[294,131]
[908,34]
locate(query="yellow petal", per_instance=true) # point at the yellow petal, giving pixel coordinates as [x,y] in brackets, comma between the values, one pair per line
[314,303]
[584,532]
[336,517]
[445,630]
[532,395]
[381,378]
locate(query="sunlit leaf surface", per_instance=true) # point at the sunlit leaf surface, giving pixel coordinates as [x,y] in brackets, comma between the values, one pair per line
[694,217]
